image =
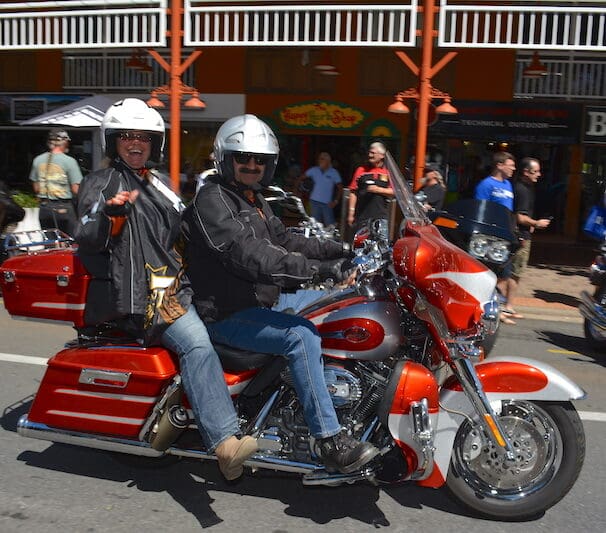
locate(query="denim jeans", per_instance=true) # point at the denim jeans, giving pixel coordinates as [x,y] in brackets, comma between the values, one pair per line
[322,212]
[203,379]
[273,332]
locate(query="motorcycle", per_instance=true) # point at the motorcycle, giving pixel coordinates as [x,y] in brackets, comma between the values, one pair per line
[401,365]
[593,306]
[308,226]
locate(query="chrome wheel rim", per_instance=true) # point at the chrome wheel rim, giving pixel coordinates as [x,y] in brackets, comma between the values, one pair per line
[538,453]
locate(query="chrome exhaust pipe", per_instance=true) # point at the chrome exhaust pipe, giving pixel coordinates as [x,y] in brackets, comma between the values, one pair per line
[34,430]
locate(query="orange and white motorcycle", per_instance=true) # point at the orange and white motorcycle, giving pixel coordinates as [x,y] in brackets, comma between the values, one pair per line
[402,365]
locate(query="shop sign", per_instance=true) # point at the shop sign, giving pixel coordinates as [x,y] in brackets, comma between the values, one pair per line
[539,122]
[594,130]
[322,115]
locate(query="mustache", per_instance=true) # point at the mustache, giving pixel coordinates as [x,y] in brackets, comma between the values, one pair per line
[249,171]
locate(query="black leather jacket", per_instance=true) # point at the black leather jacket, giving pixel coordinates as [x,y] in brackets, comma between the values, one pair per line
[238,255]
[141,252]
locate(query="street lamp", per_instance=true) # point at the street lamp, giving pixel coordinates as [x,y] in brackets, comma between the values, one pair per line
[446,108]
[175,89]
[193,102]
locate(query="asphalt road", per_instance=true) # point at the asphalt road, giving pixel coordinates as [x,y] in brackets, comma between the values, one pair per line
[47,487]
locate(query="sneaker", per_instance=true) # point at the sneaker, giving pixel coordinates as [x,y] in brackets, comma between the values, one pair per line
[344,453]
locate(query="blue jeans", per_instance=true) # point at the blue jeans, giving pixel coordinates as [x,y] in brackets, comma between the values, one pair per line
[203,379]
[322,212]
[273,332]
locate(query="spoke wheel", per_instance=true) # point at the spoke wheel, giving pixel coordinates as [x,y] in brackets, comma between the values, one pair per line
[549,446]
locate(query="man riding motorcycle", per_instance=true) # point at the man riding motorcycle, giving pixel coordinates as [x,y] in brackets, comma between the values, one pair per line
[237,258]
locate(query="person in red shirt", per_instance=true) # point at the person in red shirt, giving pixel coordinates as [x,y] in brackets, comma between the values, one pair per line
[370,189]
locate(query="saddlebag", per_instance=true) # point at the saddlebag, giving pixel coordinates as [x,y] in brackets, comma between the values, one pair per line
[51,284]
[102,389]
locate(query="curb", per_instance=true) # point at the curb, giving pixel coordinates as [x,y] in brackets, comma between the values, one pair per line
[559,314]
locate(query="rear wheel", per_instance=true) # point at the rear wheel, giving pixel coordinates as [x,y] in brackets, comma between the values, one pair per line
[549,444]
[595,336]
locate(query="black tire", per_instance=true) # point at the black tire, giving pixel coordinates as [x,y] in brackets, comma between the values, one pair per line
[596,340]
[549,441]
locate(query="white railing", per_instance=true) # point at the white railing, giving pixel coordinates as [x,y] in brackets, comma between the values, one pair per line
[109,72]
[82,23]
[570,76]
[300,24]
[536,25]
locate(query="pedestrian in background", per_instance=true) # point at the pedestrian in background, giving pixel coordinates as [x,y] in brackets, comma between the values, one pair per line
[55,178]
[434,189]
[326,189]
[524,195]
[370,189]
[497,188]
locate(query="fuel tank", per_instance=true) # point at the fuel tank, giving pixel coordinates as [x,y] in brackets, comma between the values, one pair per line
[362,323]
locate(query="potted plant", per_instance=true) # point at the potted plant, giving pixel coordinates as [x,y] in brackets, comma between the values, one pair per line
[29,202]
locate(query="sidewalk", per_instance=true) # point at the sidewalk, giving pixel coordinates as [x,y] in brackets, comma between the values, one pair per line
[550,288]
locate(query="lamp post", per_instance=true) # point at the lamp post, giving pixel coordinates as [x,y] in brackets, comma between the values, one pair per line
[425,93]
[175,89]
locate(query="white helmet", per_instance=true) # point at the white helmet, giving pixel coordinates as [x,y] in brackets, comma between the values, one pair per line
[132,114]
[245,134]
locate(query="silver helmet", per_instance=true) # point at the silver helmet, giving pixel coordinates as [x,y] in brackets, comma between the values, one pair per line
[132,114]
[245,134]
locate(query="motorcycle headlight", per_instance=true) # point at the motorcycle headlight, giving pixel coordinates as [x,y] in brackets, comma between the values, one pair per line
[488,247]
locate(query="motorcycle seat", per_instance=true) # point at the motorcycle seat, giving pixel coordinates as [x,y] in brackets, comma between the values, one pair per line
[236,359]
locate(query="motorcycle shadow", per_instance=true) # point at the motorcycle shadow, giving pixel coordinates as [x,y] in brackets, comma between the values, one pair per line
[188,482]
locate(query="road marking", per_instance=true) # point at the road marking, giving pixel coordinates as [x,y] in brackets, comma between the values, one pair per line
[568,352]
[28,359]
[591,416]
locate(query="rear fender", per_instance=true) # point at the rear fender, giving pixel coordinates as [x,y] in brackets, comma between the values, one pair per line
[503,378]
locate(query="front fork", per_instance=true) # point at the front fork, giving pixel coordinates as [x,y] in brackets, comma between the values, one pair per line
[473,389]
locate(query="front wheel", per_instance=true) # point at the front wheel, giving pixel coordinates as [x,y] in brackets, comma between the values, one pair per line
[595,336]
[549,443]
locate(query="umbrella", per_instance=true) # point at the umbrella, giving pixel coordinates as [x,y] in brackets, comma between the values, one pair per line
[85,113]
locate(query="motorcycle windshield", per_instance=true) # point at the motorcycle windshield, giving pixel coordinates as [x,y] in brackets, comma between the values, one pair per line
[409,205]
[483,216]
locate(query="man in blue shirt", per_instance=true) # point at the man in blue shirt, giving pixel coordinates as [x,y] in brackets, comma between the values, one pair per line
[497,187]
[323,197]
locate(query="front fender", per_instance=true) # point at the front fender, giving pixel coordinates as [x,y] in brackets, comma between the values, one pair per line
[503,378]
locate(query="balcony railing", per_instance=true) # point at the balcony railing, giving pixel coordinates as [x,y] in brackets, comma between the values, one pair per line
[570,76]
[297,23]
[536,25]
[109,72]
[82,23]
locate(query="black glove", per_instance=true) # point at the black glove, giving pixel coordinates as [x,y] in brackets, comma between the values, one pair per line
[117,210]
[336,269]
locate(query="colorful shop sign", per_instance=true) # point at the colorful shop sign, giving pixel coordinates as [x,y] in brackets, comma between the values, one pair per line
[322,115]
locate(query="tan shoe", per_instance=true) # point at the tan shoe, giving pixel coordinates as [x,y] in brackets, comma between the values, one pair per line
[232,453]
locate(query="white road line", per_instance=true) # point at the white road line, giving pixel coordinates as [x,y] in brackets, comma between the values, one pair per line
[28,359]
[591,416]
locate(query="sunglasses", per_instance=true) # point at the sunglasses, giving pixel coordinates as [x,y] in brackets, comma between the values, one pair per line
[128,136]
[244,158]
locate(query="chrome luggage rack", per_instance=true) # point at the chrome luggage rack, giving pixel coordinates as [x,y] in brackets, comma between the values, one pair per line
[34,241]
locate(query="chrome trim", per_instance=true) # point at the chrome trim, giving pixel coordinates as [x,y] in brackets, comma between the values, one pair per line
[34,430]
[90,376]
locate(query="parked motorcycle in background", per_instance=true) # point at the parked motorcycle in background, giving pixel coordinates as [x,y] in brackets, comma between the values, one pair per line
[307,226]
[485,230]
[593,306]
[401,366]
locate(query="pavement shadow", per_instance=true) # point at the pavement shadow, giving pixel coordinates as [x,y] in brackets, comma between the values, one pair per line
[573,344]
[556,297]
[188,482]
